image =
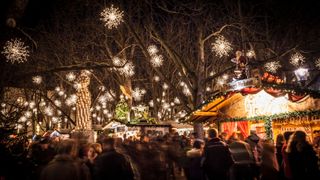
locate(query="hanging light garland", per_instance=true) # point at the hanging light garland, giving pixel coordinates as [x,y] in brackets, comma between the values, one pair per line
[112,17]
[15,51]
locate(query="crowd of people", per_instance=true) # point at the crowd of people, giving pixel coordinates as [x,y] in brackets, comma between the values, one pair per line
[165,157]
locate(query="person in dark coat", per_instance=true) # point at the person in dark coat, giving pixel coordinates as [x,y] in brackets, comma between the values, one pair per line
[244,160]
[302,158]
[193,168]
[65,165]
[217,158]
[112,165]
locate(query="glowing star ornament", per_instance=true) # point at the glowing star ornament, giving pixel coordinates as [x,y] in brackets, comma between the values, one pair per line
[71,76]
[127,70]
[37,79]
[297,59]
[272,66]
[112,17]
[156,61]
[15,51]
[176,100]
[48,111]
[221,46]
[317,63]
[152,50]
[138,93]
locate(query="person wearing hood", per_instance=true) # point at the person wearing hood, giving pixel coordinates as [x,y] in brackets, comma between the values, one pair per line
[193,169]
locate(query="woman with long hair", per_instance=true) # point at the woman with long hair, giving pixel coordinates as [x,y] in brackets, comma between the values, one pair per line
[302,158]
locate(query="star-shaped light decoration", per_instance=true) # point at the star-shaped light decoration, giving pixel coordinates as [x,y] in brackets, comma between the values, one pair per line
[127,70]
[297,59]
[156,60]
[138,93]
[156,78]
[112,17]
[15,51]
[186,91]
[71,76]
[221,46]
[272,66]
[37,79]
[152,50]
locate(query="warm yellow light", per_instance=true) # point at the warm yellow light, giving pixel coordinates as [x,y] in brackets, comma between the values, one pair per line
[262,103]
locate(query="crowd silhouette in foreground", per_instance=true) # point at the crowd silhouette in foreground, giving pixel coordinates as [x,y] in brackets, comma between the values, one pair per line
[165,157]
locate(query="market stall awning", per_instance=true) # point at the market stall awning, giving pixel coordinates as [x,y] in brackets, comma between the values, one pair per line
[211,110]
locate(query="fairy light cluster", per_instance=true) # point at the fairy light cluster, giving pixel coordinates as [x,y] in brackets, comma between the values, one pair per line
[221,47]
[15,51]
[112,17]
[272,66]
[297,59]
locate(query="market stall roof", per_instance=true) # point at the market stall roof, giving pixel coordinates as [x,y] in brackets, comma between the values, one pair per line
[210,111]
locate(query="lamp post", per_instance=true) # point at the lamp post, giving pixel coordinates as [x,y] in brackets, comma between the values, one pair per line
[302,75]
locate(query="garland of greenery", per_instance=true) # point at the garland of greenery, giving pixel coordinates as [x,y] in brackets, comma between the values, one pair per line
[288,88]
[268,119]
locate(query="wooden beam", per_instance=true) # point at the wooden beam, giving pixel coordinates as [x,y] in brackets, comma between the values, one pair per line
[201,113]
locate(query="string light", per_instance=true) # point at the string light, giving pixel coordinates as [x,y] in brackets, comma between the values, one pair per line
[186,91]
[72,100]
[272,66]
[112,17]
[15,51]
[71,76]
[156,78]
[151,104]
[297,59]
[57,103]
[152,50]
[37,79]
[48,111]
[165,86]
[221,46]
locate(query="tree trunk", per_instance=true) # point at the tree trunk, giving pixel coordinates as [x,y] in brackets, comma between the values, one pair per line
[83,105]
[200,90]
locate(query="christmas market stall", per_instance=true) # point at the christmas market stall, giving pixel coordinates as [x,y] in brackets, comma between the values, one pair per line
[267,108]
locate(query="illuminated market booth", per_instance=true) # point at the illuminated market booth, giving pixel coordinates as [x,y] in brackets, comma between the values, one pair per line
[268,108]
